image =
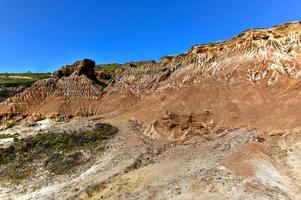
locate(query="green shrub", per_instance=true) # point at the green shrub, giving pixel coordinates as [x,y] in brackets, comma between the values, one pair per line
[59,153]
[10,125]
[60,163]
[109,67]
[5,136]
[93,135]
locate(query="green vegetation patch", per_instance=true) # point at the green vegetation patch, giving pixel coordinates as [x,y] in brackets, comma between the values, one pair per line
[11,84]
[112,67]
[21,79]
[5,94]
[10,125]
[5,136]
[58,153]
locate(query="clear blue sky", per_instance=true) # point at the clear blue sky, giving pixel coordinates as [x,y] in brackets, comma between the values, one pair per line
[41,35]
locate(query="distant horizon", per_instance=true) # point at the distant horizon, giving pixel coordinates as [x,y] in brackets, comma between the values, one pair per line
[42,36]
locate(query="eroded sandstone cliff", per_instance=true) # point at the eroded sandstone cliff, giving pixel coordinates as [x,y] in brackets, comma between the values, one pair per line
[246,77]
[218,122]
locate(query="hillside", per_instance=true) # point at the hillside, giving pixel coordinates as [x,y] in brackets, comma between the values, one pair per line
[13,83]
[218,122]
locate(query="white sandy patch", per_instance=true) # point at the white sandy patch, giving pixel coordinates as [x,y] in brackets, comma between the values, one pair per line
[268,173]
[17,77]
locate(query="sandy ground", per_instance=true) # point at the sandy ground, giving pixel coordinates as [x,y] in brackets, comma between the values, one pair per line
[233,164]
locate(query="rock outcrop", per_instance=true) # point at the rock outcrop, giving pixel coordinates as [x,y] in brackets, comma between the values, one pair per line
[72,91]
[85,67]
